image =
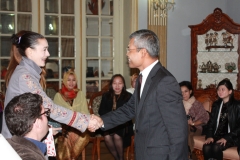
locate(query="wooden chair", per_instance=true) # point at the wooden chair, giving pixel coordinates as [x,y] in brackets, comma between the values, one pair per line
[228,154]
[130,149]
[94,104]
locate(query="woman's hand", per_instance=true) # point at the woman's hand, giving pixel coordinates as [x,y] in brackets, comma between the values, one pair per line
[208,140]
[190,122]
[222,141]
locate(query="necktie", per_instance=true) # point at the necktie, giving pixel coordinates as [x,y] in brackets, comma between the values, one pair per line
[139,85]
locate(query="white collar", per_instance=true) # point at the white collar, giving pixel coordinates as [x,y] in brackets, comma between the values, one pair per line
[147,70]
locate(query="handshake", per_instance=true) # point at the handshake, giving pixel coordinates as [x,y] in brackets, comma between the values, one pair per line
[95,123]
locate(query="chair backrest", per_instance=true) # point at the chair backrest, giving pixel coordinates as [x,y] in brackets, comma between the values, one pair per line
[94,102]
[206,101]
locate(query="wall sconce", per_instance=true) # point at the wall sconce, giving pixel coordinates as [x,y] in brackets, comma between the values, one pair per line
[163,5]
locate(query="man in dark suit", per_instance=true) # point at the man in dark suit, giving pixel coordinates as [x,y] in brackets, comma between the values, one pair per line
[160,118]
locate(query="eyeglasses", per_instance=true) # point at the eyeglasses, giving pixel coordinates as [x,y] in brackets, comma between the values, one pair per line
[128,49]
[47,112]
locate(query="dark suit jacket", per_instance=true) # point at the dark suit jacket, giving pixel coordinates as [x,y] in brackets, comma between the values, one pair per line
[161,123]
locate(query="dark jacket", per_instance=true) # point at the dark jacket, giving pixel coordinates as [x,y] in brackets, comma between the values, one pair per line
[233,107]
[161,123]
[25,149]
[107,102]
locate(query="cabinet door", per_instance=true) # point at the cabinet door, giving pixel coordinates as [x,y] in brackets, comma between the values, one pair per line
[214,47]
[217,58]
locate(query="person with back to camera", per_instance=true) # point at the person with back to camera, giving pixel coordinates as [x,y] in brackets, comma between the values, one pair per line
[71,142]
[118,138]
[27,121]
[133,82]
[26,74]
[197,115]
[223,129]
[156,105]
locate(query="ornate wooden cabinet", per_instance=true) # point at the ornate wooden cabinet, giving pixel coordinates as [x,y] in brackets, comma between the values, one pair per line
[214,51]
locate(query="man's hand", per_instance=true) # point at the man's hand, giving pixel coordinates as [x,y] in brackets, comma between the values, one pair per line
[95,122]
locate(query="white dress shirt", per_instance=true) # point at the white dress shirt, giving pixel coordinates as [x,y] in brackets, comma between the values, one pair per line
[145,74]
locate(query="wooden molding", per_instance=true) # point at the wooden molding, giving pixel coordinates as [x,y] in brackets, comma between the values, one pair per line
[158,24]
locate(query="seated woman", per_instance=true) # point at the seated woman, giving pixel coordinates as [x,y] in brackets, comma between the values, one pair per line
[197,115]
[71,142]
[224,125]
[119,137]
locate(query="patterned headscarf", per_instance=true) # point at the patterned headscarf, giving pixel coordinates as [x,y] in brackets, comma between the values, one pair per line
[65,92]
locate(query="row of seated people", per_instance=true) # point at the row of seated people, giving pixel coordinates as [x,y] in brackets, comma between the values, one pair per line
[220,137]
[214,144]
[115,139]
[196,118]
[70,97]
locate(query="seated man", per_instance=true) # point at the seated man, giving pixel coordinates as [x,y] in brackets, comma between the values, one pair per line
[27,121]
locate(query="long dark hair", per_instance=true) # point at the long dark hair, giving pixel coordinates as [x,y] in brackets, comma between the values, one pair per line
[111,91]
[27,40]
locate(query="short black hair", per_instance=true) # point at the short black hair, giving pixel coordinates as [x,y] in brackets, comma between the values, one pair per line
[188,85]
[226,82]
[21,112]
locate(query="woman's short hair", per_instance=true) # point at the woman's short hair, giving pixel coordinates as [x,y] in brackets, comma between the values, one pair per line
[188,85]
